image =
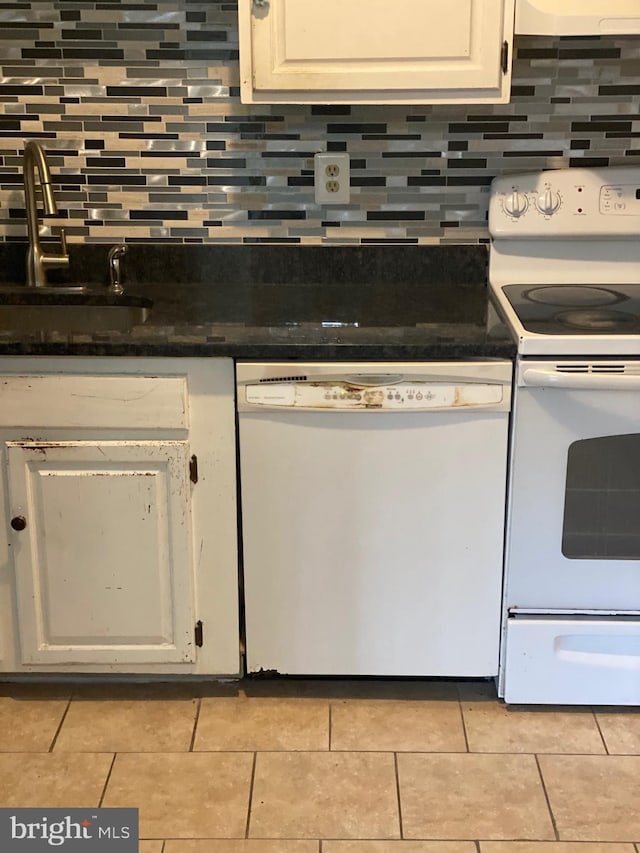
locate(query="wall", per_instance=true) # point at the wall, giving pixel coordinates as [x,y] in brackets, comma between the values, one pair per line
[138,105]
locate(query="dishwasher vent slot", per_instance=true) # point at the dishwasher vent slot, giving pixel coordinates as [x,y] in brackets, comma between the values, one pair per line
[284,379]
[591,368]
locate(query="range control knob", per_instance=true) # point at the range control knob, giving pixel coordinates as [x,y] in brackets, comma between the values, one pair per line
[548,202]
[515,204]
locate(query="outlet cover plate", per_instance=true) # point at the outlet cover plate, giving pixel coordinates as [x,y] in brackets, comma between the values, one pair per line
[332,177]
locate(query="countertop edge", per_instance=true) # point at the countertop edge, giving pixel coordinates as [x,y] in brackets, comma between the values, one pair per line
[276,351]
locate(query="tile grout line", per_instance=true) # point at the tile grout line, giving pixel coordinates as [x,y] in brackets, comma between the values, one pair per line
[106,782]
[546,796]
[195,724]
[477,843]
[60,724]
[250,803]
[330,722]
[397,772]
[462,720]
[604,741]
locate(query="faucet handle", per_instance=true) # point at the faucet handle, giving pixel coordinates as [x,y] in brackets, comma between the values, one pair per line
[63,242]
[51,260]
[115,253]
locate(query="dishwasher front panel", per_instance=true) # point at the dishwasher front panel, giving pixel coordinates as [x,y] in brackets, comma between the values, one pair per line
[373,541]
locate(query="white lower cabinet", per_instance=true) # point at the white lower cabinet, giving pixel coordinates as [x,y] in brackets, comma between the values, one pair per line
[103,566]
[119,547]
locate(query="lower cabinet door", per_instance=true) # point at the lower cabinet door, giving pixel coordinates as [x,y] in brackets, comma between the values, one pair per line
[101,547]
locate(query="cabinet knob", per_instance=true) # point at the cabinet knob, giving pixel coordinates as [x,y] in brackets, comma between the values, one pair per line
[19,522]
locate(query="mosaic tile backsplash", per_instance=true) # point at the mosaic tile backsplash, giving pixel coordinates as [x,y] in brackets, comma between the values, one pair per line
[137,103]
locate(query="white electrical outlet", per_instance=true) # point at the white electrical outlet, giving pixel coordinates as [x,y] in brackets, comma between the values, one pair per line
[332,177]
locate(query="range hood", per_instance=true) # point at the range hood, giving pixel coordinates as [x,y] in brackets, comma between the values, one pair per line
[577,17]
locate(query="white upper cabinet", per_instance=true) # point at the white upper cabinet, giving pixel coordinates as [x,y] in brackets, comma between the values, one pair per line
[375,51]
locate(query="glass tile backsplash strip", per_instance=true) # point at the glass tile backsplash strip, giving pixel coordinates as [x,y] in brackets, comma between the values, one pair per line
[137,104]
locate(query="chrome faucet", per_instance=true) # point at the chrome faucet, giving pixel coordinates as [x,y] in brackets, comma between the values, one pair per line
[38,261]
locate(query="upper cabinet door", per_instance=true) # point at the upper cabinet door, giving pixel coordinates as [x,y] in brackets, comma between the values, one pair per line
[375,51]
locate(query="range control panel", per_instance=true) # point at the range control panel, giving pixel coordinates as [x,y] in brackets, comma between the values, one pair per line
[567,203]
[400,396]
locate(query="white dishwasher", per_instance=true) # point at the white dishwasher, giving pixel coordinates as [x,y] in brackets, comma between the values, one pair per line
[373,500]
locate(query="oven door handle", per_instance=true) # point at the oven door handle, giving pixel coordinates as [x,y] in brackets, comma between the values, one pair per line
[533,377]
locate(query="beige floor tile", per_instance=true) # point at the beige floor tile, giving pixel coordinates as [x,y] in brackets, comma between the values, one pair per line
[552,847]
[495,727]
[253,846]
[29,719]
[72,781]
[262,724]
[324,795]
[184,795]
[396,725]
[472,796]
[398,847]
[150,847]
[136,720]
[594,797]
[621,730]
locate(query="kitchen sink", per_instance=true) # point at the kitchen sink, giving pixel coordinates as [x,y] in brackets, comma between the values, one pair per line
[75,309]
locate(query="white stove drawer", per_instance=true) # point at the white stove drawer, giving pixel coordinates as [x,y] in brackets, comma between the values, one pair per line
[572,661]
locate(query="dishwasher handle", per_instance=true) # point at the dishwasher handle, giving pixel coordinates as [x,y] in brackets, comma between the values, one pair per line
[369,380]
[533,377]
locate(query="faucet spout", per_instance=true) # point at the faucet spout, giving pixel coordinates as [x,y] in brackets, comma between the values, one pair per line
[38,261]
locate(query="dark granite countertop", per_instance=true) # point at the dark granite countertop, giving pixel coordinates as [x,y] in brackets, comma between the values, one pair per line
[282,302]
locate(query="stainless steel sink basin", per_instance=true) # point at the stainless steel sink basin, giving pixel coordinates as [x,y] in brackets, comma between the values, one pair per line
[77,309]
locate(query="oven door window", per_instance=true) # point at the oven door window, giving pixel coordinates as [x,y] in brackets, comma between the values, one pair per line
[602,499]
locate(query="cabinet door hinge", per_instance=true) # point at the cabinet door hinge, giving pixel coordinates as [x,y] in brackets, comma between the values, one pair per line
[198,633]
[505,57]
[193,469]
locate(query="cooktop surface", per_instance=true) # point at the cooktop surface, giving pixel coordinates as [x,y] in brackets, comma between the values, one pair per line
[576,309]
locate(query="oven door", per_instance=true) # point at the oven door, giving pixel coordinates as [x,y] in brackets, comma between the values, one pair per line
[573,541]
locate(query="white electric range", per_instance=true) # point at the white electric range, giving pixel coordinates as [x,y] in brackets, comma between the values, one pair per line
[565,276]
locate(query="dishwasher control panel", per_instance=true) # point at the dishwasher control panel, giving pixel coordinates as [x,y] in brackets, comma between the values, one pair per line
[399,396]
